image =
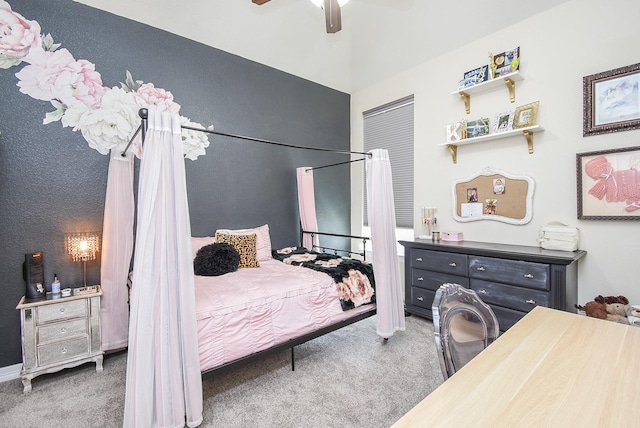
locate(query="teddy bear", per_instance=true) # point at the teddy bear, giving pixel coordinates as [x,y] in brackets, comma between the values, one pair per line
[611,308]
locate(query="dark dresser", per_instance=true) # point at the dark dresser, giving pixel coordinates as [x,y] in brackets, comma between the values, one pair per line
[512,279]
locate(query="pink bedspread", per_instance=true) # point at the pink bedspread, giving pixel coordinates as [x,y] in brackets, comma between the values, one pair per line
[253,309]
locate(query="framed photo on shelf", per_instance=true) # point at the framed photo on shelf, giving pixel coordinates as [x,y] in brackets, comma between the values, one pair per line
[526,115]
[506,62]
[611,101]
[503,121]
[478,128]
[601,192]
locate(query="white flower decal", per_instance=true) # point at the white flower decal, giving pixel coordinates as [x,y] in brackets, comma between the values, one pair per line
[107,118]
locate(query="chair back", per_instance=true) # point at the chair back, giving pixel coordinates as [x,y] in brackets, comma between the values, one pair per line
[463,326]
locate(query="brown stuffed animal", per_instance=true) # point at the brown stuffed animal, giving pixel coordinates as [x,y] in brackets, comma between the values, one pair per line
[612,299]
[611,308]
[594,309]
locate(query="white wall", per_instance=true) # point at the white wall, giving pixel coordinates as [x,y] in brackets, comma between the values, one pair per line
[558,48]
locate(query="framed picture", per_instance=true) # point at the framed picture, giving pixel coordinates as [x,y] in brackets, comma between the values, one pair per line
[611,101]
[609,184]
[526,115]
[475,76]
[503,121]
[478,128]
[505,63]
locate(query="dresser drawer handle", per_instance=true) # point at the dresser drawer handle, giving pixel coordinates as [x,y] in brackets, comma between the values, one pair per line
[453,264]
[63,330]
[64,350]
[418,259]
[62,310]
[531,302]
[528,275]
[421,298]
[420,278]
[481,269]
[483,291]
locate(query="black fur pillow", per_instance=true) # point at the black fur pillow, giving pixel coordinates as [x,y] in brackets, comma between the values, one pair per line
[216,259]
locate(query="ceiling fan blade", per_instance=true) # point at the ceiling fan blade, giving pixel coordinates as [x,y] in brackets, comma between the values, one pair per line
[332,16]
[259,2]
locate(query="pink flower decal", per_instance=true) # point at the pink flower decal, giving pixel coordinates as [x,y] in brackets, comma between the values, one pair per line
[107,118]
[157,98]
[57,75]
[17,36]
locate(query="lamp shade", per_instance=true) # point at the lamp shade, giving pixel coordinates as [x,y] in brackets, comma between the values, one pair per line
[83,246]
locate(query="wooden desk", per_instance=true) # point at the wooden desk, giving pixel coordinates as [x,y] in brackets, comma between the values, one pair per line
[551,369]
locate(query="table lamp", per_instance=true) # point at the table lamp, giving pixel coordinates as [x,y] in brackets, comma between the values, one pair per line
[83,247]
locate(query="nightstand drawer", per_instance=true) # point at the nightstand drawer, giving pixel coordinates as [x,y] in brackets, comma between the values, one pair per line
[526,274]
[62,330]
[64,350]
[455,264]
[63,310]
[433,280]
[518,298]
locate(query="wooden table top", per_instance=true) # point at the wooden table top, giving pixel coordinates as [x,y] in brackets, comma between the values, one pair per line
[551,369]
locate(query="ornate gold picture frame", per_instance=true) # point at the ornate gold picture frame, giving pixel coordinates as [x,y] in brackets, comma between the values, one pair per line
[526,115]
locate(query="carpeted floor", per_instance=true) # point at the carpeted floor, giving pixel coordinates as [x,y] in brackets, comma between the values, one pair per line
[348,378]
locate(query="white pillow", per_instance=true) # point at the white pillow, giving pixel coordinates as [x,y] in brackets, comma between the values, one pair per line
[263,243]
[198,242]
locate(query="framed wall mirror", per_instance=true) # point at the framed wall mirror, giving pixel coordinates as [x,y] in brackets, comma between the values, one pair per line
[493,194]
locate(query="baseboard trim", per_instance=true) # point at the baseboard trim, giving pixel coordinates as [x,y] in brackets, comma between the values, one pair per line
[10,372]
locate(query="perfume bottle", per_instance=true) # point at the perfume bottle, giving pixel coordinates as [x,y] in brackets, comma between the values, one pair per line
[55,285]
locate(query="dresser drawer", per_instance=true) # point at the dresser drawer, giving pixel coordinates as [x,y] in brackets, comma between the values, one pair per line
[62,330]
[433,280]
[506,317]
[422,298]
[455,264]
[63,310]
[519,298]
[526,274]
[64,350]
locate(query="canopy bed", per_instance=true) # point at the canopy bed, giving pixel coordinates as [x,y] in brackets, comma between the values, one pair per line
[183,324]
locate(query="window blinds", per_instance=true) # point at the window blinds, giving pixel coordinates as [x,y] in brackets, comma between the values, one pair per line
[391,127]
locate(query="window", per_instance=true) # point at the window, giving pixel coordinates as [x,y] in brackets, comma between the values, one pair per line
[391,127]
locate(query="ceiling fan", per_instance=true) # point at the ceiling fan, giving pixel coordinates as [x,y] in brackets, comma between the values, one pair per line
[331,12]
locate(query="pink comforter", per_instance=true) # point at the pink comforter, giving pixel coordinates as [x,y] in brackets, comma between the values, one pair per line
[253,309]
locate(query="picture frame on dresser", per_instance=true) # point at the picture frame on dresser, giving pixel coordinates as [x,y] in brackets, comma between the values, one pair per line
[608,184]
[611,101]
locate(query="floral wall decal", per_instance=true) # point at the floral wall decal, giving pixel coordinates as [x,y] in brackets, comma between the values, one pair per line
[106,117]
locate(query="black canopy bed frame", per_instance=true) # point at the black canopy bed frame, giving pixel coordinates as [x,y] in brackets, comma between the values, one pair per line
[291,343]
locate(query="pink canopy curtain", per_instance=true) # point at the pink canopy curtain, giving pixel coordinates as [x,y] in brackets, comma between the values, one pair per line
[307,206]
[164,384]
[117,247]
[382,221]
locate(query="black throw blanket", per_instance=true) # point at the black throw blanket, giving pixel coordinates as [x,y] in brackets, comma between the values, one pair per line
[354,279]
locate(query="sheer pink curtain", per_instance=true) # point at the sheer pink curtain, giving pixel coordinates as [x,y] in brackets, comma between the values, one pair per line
[382,220]
[164,384]
[117,247]
[307,205]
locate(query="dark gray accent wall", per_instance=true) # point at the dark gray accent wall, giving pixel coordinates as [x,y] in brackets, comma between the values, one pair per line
[52,183]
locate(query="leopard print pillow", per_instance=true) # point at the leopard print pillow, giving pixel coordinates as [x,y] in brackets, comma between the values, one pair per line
[246,247]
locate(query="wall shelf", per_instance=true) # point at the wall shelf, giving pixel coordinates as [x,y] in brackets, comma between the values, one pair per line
[527,132]
[509,80]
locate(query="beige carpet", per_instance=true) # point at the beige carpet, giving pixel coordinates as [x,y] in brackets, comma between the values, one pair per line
[348,378]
